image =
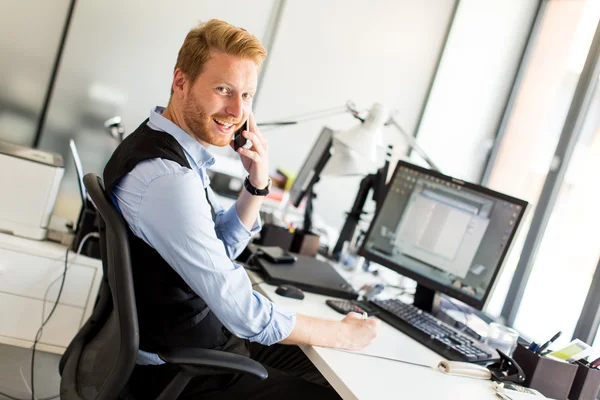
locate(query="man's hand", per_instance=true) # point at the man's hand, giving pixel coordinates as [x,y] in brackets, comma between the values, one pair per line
[256,158]
[359,332]
[351,333]
[256,162]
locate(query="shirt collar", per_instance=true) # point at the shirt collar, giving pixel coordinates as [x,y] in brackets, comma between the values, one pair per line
[195,150]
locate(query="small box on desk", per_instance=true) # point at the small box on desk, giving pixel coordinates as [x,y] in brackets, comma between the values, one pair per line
[274,235]
[586,384]
[306,243]
[550,377]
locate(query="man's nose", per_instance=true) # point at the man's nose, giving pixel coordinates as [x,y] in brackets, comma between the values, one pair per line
[235,107]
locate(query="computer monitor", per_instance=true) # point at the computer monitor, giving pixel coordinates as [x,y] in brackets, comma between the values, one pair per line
[78,170]
[312,167]
[450,236]
[87,220]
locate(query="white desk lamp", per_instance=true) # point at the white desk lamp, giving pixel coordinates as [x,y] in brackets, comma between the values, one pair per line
[355,153]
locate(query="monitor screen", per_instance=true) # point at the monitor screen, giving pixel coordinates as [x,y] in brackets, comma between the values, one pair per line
[312,167]
[449,235]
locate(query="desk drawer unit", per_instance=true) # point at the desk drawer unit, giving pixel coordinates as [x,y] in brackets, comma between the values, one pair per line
[27,275]
[24,279]
[25,317]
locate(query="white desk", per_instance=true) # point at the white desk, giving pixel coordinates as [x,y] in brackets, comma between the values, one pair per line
[27,267]
[359,376]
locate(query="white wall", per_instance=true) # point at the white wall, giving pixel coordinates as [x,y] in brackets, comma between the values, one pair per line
[326,53]
[473,82]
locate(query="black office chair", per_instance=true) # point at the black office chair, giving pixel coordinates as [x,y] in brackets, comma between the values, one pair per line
[100,359]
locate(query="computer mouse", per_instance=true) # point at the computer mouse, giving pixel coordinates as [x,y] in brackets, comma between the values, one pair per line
[290,291]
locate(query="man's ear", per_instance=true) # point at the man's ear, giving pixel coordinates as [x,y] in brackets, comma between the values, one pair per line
[179,83]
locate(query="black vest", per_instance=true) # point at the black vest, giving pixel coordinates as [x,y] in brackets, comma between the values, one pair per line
[170,313]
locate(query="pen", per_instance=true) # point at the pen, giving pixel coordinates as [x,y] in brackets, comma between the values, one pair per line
[549,342]
[595,363]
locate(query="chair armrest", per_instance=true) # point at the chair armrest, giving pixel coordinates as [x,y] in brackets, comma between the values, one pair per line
[214,359]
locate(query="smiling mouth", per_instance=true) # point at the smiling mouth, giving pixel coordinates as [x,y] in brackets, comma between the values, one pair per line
[225,124]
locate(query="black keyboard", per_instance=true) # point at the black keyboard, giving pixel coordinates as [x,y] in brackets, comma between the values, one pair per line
[432,332]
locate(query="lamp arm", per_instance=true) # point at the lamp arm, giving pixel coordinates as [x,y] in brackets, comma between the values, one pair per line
[413,144]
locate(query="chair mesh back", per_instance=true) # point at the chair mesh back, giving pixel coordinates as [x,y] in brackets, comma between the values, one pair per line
[99,361]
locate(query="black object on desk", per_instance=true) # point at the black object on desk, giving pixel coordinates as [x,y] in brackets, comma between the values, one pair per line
[550,377]
[586,383]
[308,274]
[290,291]
[421,326]
[432,332]
[347,306]
[274,234]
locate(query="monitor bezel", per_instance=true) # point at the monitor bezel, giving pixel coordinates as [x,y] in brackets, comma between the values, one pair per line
[317,168]
[424,280]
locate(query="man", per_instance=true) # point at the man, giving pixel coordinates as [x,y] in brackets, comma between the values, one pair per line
[188,290]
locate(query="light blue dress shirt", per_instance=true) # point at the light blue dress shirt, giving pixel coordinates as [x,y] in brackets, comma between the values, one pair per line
[165,205]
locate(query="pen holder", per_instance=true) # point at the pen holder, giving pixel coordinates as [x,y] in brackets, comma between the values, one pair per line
[552,378]
[586,384]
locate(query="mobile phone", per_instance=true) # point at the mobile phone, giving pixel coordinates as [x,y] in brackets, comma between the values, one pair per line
[239,140]
[277,255]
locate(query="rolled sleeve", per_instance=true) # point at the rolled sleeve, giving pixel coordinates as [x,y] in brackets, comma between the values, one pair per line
[278,328]
[231,228]
[233,233]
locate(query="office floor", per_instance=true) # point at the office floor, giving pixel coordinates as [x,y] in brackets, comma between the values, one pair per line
[46,376]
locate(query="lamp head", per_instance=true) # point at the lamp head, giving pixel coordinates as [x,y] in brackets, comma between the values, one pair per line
[355,150]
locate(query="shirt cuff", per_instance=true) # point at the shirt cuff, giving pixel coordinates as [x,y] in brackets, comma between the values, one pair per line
[236,231]
[279,327]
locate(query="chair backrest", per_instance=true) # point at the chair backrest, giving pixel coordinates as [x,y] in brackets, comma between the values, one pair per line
[101,357]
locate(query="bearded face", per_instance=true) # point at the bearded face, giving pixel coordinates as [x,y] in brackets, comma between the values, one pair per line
[216,130]
[218,103]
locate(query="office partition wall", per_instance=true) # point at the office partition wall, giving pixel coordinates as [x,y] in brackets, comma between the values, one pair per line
[30,33]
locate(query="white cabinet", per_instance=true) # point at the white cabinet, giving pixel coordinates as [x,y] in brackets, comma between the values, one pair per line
[27,268]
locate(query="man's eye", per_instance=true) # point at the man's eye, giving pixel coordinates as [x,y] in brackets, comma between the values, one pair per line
[222,89]
[247,96]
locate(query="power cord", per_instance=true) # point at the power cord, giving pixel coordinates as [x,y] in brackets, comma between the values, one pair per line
[41,329]
[79,249]
[383,358]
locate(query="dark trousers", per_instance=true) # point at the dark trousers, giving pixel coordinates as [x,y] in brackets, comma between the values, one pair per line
[291,376]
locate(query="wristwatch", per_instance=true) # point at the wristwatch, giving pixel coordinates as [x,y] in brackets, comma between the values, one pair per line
[255,191]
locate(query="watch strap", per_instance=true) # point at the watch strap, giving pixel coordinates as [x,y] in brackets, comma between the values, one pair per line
[254,190]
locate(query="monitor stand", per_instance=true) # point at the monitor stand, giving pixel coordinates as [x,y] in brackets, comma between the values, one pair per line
[424,298]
